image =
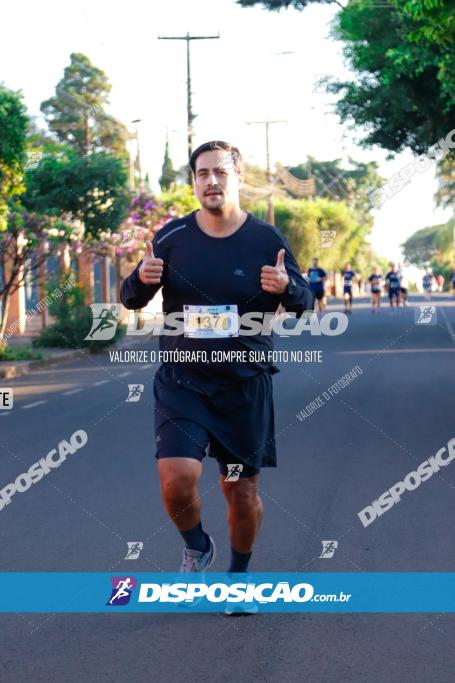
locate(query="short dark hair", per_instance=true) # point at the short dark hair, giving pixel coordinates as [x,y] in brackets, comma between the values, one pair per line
[217,144]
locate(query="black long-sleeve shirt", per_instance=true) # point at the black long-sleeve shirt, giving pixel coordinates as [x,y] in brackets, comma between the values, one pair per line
[202,270]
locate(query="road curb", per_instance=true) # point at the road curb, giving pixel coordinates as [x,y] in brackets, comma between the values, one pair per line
[16,368]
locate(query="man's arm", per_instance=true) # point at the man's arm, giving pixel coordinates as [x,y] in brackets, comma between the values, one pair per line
[134,292]
[303,298]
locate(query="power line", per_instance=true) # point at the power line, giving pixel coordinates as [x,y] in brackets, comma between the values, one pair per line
[190,115]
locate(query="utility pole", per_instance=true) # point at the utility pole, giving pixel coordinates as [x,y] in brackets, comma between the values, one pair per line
[190,114]
[267,123]
[138,156]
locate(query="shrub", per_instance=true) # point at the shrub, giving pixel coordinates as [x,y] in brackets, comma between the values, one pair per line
[73,321]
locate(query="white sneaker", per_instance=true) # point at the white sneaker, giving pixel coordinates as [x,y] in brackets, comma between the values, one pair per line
[197,561]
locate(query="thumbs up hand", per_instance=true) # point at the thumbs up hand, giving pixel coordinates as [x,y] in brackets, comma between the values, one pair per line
[274,279]
[151,268]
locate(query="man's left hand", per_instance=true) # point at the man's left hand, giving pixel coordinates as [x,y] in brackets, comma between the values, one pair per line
[274,279]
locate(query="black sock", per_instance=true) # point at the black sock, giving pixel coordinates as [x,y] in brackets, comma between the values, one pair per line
[196,538]
[239,561]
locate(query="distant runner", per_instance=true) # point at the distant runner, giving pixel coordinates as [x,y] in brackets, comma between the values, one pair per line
[317,278]
[375,281]
[349,277]
[427,283]
[393,281]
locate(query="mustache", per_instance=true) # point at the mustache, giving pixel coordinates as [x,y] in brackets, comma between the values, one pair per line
[212,190]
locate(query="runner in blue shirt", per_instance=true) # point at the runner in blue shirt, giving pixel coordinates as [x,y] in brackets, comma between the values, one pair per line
[349,277]
[393,281]
[317,277]
[212,263]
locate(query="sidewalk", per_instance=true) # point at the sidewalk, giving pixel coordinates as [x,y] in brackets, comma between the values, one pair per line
[15,368]
[51,356]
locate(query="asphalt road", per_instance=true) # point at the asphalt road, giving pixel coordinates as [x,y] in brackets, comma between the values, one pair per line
[396,414]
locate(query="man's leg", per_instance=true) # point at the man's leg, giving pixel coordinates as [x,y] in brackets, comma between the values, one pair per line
[244,518]
[178,480]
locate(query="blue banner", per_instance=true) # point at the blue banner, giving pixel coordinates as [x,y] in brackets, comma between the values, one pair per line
[256,592]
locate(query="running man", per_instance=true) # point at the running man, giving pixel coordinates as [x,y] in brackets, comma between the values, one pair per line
[317,278]
[349,277]
[375,281]
[427,283]
[215,258]
[393,281]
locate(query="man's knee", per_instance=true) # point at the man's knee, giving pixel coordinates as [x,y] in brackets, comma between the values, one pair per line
[242,495]
[178,477]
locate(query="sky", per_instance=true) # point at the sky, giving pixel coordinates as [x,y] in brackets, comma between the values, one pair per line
[241,77]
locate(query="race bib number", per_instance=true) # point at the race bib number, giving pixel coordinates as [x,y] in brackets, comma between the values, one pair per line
[210,321]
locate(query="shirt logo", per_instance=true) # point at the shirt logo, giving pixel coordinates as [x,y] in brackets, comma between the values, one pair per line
[238,271]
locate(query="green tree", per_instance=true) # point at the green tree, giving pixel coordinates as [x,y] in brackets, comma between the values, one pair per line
[402,54]
[180,200]
[13,128]
[20,258]
[351,185]
[431,246]
[402,94]
[302,221]
[445,195]
[75,114]
[168,174]
[91,189]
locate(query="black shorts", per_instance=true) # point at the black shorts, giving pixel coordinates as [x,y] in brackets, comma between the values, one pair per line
[394,293]
[347,289]
[234,425]
[318,293]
